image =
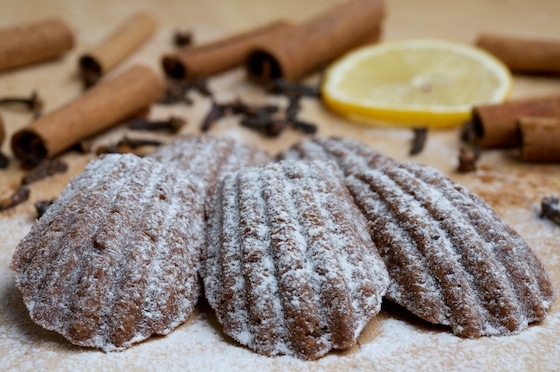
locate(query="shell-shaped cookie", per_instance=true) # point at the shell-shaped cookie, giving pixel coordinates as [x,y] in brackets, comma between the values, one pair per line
[114,260]
[205,158]
[350,155]
[288,265]
[451,258]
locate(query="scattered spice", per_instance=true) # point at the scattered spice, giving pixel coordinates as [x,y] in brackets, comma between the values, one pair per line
[45,168]
[550,209]
[177,90]
[294,92]
[252,111]
[41,207]
[173,124]
[291,89]
[266,126]
[293,107]
[182,38]
[32,103]
[4,161]
[419,140]
[268,119]
[19,196]
[126,145]
[468,157]
[217,111]
[303,126]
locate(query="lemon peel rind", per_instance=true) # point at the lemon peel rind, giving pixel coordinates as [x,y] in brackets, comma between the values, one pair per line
[408,119]
[409,115]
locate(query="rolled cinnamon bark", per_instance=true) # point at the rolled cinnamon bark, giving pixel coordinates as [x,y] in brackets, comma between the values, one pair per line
[97,61]
[523,54]
[294,52]
[540,139]
[496,125]
[101,107]
[218,56]
[34,42]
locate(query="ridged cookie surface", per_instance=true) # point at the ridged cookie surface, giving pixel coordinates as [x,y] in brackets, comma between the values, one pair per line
[114,260]
[205,158]
[451,258]
[288,266]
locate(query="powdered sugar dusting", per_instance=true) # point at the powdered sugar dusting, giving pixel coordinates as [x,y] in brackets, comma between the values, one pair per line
[92,268]
[299,275]
[397,340]
[488,279]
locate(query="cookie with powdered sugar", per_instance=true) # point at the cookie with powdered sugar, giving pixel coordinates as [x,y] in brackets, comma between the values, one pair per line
[206,158]
[114,260]
[452,260]
[288,265]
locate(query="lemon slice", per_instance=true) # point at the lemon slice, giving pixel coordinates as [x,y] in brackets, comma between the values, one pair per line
[431,83]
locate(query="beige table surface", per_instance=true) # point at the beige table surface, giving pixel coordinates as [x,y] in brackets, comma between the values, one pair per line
[393,340]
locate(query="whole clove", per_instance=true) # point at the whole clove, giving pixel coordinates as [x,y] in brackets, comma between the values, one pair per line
[32,103]
[216,112]
[19,196]
[293,107]
[550,209]
[267,119]
[239,107]
[419,140]
[303,126]
[126,145]
[468,157]
[288,88]
[44,169]
[182,38]
[173,124]
[200,85]
[41,207]
[177,90]
[266,126]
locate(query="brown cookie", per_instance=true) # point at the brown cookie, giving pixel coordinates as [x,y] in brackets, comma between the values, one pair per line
[206,158]
[114,260]
[288,265]
[451,258]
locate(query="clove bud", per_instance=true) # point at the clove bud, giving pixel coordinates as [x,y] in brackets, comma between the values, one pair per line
[173,124]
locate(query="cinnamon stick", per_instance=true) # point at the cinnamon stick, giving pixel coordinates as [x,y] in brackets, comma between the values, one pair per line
[294,52]
[99,108]
[528,55]
[34,42]
[218,56]
[495,125]
[540,139]
[100,59]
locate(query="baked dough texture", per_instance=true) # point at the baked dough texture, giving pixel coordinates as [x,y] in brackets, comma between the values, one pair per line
[206,158]
[288,265]
[115,259]
[452,260]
